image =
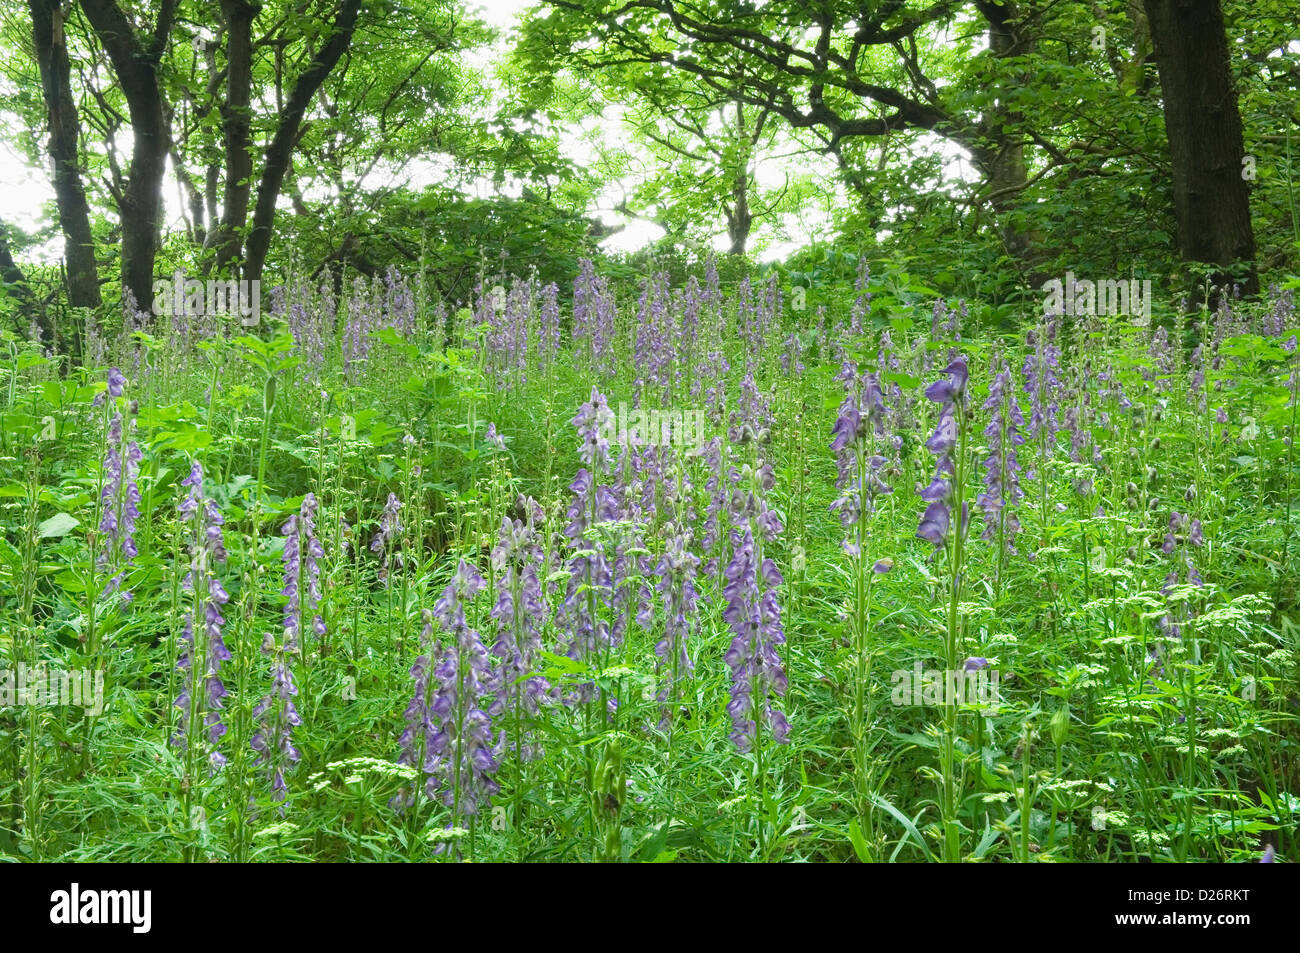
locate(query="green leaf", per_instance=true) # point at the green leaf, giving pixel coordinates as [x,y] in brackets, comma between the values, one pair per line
[905,381]
[70,582]
[859,843]
[60,524]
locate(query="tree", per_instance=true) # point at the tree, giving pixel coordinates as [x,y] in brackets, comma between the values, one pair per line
[1202,121]
[226,238]
[845,69]
[708,152]
[135,56]
[51,52]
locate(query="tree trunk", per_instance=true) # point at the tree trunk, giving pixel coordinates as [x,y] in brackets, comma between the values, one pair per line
[1211,200]
[28,306]
[69,193]
[1003,162]
[238,125]
[740,218]
[135,64]
[279,152]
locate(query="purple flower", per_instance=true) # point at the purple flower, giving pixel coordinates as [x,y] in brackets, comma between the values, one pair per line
[116,384]
[792,355]
[756,672]
[309,321]
[939,490]
[276,717]
[676,572]
[459,741]
[934,524]
[713,544]
[299,532]
[944,439]
[364,318]
[518,613]
[120,496]
[950,389]
[419,729]
[860,423]
[200,658]
[752,420]
[390,528]
[654,333]
[1002,466]
[594,422]
[1042,383]
[862,303]
[937,517]
[593,317]
[549,332]
[590,572]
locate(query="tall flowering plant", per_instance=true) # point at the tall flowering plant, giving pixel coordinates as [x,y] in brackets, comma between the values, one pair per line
[1001,495]
[302,555]
[418,717]
[589,569]
[676,571]
[859,424]
[203,650]
[757,674]
[593,317]
[518,613]
[277,716]
[946,504]
[120,496]
[459,742]
[753,612]
[1041,371]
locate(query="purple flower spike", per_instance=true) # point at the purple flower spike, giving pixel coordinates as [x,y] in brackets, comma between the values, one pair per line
[299,573]
[116,382]
[120,498]
[756,671]
[458,738]
[277,716]
[937,517]
[200,658]
[519,614]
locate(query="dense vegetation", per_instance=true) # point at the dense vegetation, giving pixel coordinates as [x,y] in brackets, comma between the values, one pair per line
[420,538]
[465,539]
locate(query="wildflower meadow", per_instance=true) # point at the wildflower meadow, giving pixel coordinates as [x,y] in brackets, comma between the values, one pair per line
[390,581]
[920,486]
